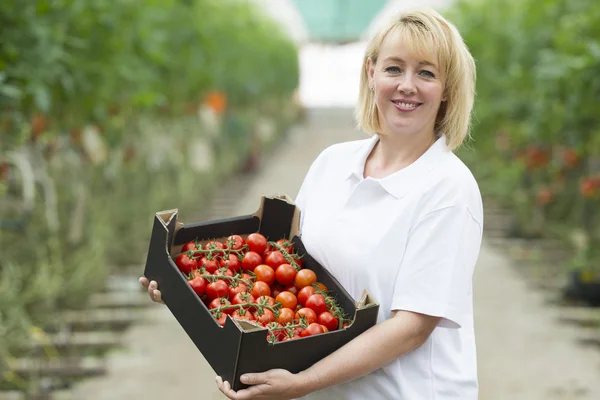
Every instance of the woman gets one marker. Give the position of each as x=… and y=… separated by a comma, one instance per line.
x=401, y=215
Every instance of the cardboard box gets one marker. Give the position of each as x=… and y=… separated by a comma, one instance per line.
x=240, y=347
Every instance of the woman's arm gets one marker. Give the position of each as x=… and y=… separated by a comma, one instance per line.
x=375, y=348
x=371, y=350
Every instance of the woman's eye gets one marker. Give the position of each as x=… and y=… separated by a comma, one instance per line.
x=392, y=69
x=428, y=74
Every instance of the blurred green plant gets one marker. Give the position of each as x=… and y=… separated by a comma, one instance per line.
x=109, y=112
x=537, y=126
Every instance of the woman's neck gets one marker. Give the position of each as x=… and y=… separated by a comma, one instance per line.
x=391, y=154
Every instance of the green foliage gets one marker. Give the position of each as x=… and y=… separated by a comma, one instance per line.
x=536, y=116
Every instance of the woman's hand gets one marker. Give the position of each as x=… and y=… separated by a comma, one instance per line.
x=276, y=384
x=152, y=288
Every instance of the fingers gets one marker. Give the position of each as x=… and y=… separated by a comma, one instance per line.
x=225, y=388
x=152, y=288
x=254, y=379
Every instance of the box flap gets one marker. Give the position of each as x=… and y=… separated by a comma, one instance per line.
x=366, y=300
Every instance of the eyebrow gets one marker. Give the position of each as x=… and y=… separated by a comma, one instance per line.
x=399, y=60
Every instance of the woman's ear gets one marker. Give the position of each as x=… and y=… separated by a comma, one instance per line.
x=370, y=67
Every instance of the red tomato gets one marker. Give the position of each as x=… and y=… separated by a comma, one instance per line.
x=287, y=245
x=276, y=288
x=189, y=246
x=251, y=260
x=198, y=284
x=243, y=315
x=264, y=316
x=305, y=277
x=237, y=287
x=317, y=303
x=345, y=325
x=211, y=266
x=311, y=330
x=257, y=243
x=232, y=262
x=185, y=264
x=285, y=274
x=292, y=289
x=264, y=273
x=214, y=245
x=307, y=313
x=221, y=319
x=260, y=289
x=218, y=288
x=246, y=277
x=275, y=259
x=320, y=286
x=243, y=298
x=299, y=261
x=273, y=328
x=220, y=302
x=286, y=316
x=224, y=272
x=265, y=300
x=328, y=320
x=235, y=242
x=305, y=293
x=287, y=300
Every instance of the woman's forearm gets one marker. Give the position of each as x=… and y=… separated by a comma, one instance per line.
x=369, y=351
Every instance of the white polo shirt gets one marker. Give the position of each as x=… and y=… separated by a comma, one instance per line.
x=412, y=239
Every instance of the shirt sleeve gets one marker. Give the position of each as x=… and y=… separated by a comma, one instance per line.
x=436, y=272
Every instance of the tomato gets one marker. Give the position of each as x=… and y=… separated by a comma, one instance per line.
x=268, y=250
x=328, y=320
x=299, y=261
x=305, y=293
x=243, y=315
x=285, y=274
x=273, y=329
x=213, y=246
x=185, y=264
x=320, y=286
x=224, y=272
x=264, y=316
x=286, y=316
x=307, y=313
x=317, y=303
x=287, y=300
x=243, y=298
x=235, y=242
x=305, y=277
x=237, y=287
x=218, y=288
x=198, y=284
x=221, y=318
x=246, y=277
x=220, y=302
x=285, y=339
x=345, y=325
x=257, y=243
x=261, y=289
x=311, y=330
x=325, y=329
x=189, y=246
x=232, y=262
x=211, y=266
x=292, y=289
x=251, y=260
x=265, y=300
x=287, y=245
x=275, y=259
x=264, y=273
x=276, y=288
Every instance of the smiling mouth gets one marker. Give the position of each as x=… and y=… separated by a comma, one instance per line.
x=406, y=106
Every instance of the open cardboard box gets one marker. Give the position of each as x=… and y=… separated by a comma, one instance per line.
x=240, y=347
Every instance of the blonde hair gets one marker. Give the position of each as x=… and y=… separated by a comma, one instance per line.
x=427, y=32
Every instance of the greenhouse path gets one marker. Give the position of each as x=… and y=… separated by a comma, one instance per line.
x=523, y=352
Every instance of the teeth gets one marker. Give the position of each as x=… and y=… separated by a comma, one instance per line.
x=407, y=105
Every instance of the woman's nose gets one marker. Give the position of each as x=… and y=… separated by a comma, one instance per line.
x=407, y=83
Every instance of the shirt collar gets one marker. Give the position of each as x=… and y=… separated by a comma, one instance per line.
x=400, y=182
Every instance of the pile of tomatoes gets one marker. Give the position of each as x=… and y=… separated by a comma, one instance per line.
x=261, y=281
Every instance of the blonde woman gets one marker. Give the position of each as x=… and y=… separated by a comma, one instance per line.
x=415, y=212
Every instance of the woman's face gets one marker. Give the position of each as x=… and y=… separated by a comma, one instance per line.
x=408, y=90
